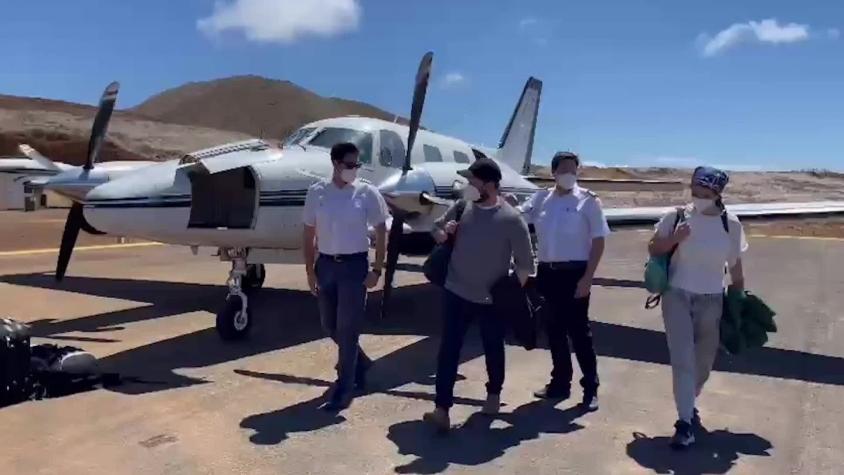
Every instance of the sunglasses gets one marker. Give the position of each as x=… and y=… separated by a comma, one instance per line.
x=350, y=166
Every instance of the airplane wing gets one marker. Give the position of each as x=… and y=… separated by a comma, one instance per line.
x=745, y=211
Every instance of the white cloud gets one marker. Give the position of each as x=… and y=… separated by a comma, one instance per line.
x=453, y=79
x=590, y=163
x=528, y=22
x=766, y=31
x=282, y=21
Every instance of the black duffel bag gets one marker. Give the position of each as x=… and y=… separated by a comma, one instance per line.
x=520, y=308
x=15, y=371
x=435, y=267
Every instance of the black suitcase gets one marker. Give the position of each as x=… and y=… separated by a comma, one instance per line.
x=15, y=365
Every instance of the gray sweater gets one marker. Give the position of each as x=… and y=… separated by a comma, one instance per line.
x=488, y=242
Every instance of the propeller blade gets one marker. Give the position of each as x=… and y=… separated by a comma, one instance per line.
x=98, y=131
x=422, y=77
x=393, y=243
x=75, y=218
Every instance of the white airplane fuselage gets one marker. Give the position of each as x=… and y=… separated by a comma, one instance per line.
x=259, y=190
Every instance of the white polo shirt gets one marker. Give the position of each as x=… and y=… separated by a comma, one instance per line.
x=342, y=216
x=566, y=224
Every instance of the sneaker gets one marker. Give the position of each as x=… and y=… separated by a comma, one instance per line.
x=590, y=402
x=696, y=422
x=492, y=405
x=439, y=419
x=551, y=391
x=683, y=436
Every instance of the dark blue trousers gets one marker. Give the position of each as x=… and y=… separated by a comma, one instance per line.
x=342, y=305
x=458, y=314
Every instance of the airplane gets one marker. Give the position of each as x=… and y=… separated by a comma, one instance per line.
x=246, y=198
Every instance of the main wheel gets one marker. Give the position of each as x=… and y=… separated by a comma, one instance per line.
x=254, y=278
x=232, y=322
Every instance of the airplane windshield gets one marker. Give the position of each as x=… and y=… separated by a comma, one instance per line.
x=296, y=137
x=330, y=136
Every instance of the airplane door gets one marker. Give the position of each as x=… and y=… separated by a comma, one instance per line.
x=367, y=169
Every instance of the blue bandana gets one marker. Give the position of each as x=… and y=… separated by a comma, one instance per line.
x=712, y=178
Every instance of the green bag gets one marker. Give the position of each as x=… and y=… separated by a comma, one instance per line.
x=656, y=269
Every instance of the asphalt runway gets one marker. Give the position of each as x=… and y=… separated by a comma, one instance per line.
x=205, y=406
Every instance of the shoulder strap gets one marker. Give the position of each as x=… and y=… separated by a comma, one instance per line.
x=725, y=222
x=681, y=216
x=461, y=207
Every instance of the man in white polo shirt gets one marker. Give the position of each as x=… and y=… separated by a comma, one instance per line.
x=337, y=216
x=570, y=232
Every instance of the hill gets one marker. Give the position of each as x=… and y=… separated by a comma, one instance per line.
x=250, y=104
x=60, y=130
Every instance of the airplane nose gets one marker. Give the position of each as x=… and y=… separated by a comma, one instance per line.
x=411, y=193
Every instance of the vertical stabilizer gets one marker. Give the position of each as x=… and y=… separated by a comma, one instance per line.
x=516, y=146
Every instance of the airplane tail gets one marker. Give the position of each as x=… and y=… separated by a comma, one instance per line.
x=516, y=146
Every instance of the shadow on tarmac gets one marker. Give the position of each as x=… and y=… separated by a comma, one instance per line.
x=714, y=453
x=477, y=442
x=287, y=318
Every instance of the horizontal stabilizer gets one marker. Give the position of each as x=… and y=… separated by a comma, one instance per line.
x=34, y=155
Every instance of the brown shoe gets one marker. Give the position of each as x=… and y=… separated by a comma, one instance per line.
x=439, y=419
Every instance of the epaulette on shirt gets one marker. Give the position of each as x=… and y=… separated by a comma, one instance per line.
x=590, y=193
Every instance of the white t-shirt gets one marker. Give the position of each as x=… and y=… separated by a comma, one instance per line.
x=342, y=216
x=566, y=225
x=699, y=263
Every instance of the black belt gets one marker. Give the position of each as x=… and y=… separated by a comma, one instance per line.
x=344, y=257
x=564, y=265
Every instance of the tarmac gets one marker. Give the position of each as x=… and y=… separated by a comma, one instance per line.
x=203, y=406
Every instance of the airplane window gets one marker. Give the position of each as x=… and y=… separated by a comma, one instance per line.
x=392, y=149
x=297, y=136
x=461, y=157
x=432, y=154
x=331, y=136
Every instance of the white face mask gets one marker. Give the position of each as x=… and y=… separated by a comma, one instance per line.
x=703, y=204
x=566, y=181
x=348, y=176
x=471, y=194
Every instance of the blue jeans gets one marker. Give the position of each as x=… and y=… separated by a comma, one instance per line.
x=458, y=314
x=342, y=306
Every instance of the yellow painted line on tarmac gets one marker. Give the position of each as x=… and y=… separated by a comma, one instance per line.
x=32, y=252
x=804, y=238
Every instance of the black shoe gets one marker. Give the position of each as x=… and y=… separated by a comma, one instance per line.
x=589, y=403
x=551, y=391
x=336, y=403
x=697, y=424
x=683, y=436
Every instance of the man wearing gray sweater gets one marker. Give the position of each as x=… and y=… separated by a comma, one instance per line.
x=490, y=237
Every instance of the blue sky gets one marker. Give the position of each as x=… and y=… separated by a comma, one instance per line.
x=751, y=84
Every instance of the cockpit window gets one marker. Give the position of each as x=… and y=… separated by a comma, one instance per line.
x=296, y=137
x=331, y=136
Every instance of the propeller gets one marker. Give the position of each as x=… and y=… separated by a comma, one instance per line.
x=76, y=218
x=423, y=75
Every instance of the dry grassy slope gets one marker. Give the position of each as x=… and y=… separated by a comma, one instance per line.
x=744, y=187
x=250, y=104
x=61, y=130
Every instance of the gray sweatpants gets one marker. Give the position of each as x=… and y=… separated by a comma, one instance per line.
x=692, y=328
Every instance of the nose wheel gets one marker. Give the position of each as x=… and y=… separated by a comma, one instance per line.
x=235, y=319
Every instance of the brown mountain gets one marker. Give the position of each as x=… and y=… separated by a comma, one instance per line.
x=250, y=104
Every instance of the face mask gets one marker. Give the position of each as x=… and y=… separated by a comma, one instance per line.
x=566, y=181
x=348, y=176
x=471, y=194
x=703, y=204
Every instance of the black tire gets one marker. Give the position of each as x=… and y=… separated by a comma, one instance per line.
x=230, y=324
x=254, y=278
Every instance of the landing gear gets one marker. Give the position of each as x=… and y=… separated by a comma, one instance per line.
x=254, y=278
x=234, y=319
